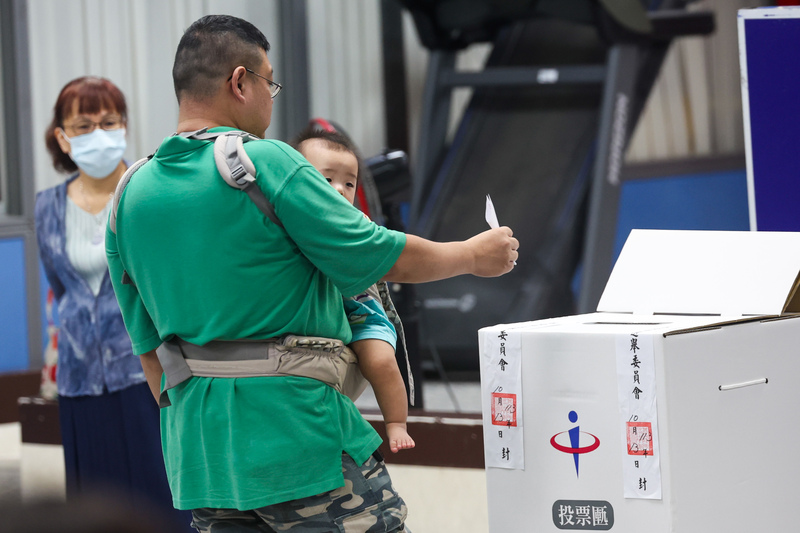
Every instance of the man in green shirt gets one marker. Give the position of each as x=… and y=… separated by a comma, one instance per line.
x=204, y=263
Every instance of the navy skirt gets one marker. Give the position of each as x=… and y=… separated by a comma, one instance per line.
x=112, y=443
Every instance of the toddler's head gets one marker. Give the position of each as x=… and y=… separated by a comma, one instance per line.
x=334, y=156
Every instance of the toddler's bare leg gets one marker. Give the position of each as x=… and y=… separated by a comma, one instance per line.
x=377, y=363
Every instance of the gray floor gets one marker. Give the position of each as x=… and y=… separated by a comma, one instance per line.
x=9, y=482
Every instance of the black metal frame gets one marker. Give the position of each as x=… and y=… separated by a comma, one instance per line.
x=295, y=100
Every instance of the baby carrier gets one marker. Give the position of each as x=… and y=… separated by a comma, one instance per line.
x=324, y=359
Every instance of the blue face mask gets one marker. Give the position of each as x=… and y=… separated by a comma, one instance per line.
x=98, y=153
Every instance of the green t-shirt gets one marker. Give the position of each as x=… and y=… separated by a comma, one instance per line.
x=207, y=264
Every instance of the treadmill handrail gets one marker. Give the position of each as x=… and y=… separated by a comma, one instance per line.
x=667, y=25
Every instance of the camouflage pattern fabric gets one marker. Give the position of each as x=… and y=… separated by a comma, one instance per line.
x=366, y=504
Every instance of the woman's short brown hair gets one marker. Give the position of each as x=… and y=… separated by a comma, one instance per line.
x=93, y=95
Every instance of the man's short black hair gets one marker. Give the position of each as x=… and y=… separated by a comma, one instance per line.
x=210, y=49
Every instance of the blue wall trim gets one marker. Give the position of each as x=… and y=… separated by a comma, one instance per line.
x=13, y=306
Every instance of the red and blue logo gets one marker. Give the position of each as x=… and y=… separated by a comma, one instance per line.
x=575, y=447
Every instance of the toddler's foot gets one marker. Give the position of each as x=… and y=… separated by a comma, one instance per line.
x=398, y=437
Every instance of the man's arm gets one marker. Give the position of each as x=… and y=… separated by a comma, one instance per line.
x=488, y=254
x=152, y=371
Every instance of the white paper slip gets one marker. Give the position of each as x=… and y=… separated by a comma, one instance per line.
x=491, y=215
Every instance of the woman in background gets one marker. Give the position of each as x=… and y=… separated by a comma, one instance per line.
x=109, y=422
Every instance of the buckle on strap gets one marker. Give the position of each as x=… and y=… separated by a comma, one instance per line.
x=237, y=173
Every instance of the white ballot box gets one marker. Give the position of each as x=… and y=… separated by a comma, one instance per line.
x=671, y=409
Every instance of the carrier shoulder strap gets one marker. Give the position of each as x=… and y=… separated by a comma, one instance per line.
x=233, y=164
x=236, y=167
x=112, y=218
x=123, y=182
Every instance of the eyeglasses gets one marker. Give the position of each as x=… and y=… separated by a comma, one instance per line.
x=274, y=87
x=82, y=126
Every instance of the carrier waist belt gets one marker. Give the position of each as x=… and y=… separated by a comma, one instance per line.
x=327, y=360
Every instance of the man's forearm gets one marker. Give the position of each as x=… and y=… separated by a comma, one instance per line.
x=152, y=372
x=488, y=254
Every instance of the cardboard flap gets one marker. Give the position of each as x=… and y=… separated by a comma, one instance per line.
x=705, y=272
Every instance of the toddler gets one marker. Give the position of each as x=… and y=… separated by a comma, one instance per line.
x=374, y=336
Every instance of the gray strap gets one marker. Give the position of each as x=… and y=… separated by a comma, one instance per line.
x=232, y=161
x=112, y=218
x=260, y=199
x=233, y=369
x=200, y=135
x=123, y=182
x=173, y=355
x=326, y=360
x=391, y=312
x=175, y=368
x=411, y=393
x=237, y=350
x=235, y=166
x=389, y=304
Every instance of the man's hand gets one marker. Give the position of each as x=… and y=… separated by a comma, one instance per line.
x=488, y=254
x=152, y=372
x=495, y=252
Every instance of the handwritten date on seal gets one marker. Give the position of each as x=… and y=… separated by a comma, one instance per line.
x=640, y=438
x=504, y=409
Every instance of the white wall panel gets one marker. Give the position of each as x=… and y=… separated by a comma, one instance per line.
x=704, y=89
x=724, y=75
x=131, y=42
x=346, y=68
x=319, y=60
x=373, y=111
x=695, y=108
x=696, y=80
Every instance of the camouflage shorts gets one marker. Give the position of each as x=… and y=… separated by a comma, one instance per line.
x=366, y=504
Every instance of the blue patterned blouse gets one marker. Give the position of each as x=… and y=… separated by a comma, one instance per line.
x=94, y=351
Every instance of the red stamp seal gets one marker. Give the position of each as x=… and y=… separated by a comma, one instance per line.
x=504, y=409
x=640, y=438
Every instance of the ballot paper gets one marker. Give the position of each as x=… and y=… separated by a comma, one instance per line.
x=491, y=215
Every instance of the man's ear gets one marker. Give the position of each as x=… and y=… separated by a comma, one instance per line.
x=236, y=85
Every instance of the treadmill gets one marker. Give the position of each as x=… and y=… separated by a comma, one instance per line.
x=544, y=135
